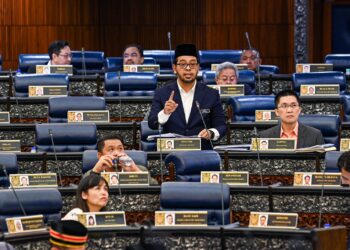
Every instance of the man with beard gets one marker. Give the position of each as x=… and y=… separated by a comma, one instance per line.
x=133, y=54
x=176, y=106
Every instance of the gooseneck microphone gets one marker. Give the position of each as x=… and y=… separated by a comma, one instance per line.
x=13, y=190
x=169, y=41
x=16, y=99
x=120, y=100
x=257, y=58
x=321, y=199
x=205, y=126
x=83, y=64
x=160, y=154
x=256, y=135
x=56, y=161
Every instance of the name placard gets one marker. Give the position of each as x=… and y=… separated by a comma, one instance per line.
x=33, y=180
x=181, y=218
x=320, y=90
x=229, y=177
x=88, y=116
x=317, y=179
x=229, y=90
x=102, y=219
x=126, y=178
x=47, y=91
x=10, y=145
x=152, y=68
x=273, y=144
x=214, y=66
x=25, y=224
x=4, y=117
x=313, y=67
x=54, y=69
x=344, y=144
x=266, y=116
x=273, y=220
x=178, y=144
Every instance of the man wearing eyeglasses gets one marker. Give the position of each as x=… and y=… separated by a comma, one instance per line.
x=133, y=54
x=176, y=106
x=251, y=58
x=288, y=109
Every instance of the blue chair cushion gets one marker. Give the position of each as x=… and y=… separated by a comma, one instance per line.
x=331, y=161
x=145, y=132
x=243, y=107
x=189, y=164
x=345, y=99
x=58, y=106
x=209, y=57
x=9, y=161
x=269, y=69
x=163, y=58
x=94, y=61
x=67, y=137
x=340, y=62
x=25, y=61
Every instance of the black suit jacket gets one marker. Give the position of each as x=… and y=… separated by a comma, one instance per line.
x=209, y=104
x=307, y=136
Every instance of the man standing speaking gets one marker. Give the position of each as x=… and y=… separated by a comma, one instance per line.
x=176, y=106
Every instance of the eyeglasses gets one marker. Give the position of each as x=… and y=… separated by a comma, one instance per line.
x=286, y=106
x=66, y=55
x=185, y=65
x=225, y=78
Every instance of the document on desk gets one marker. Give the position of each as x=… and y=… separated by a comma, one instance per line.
x=237, y=147
x=169, y=135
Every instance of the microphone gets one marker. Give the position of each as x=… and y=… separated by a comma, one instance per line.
x=54, y=151
x=321, y=199
x=257, y=58
x=83, y=65
x=13, y=190
x=16, y=99
x=161, y=154
x=120, y=100
x=255, y=133
x=115, y=162
x=205, y=126
x=169, y=41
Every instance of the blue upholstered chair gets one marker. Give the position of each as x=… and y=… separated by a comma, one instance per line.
x=187, y=196
x=329, y=125
x=67, y=137
x=114, y=64
x=189, y=164
x=145, y=132
x=340, y=62
x=23, y=81
x=45, y=201
x=94, y=62
x=9, y=161
x=331, y=161
x=58, y=106
x=163, y=58
x=243, y=107
x=90, y=158
x=209, y=57
x=25, y=61
x=269, y=69
x=345, y=99
x=329, y=77
x=130, y=84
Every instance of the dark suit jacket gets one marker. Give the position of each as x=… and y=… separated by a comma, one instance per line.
x=307, y=136
x=210, y=106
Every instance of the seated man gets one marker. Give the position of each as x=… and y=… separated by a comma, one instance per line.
x=59, y=53
x=228, y=74
x=110, y=148
x=133, y=54
x=288, y=109
x=344, y=167
x=251, y=58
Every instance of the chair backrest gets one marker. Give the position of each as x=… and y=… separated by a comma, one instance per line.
x=269, y=69
x=9, y=161
x=331, y=161
x=130, y=84
x=94, y=61
x=340, y=62
x=23, y=81
x=116, y=63
x=25, y=61
x=345, y=99
x=329, y=77
x=187, y=196
x=189, y=164
x=243, y=107
x=45, y=201
x=162, y=57
x=58, y=106
x=209, y=57
x=145, y=132
x=67, y=137
x=329, y=125
x=90, y=158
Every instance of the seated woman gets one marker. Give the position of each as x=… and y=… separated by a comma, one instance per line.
x=92, y=196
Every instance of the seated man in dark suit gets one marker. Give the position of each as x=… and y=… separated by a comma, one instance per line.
x=251, y=58
x=133, y=54
x=288, y=109
x=344, y=167
x=176, y=106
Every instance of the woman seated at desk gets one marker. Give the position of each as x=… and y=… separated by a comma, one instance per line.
x=92, y=196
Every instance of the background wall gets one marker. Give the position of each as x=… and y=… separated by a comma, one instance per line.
x=28, y=26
